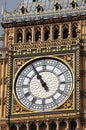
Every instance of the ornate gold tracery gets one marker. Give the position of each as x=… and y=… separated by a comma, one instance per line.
x=44, y=33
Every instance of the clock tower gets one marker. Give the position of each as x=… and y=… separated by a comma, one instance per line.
x=43, y=66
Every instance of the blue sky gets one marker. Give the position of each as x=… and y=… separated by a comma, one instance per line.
x=10, y=5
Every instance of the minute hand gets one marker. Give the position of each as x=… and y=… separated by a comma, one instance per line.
x=39, y=77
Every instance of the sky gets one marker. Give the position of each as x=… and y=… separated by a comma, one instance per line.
x=10, y=6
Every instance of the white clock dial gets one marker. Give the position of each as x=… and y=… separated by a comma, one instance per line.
x=43, y=84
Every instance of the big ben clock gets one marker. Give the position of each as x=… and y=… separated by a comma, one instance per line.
x=43, y=84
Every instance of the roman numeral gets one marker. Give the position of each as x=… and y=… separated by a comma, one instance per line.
x=62, y=73
x=25, y=86
x=63, y=82
x=44, y=67
x=60, y=91
x=27, y=94
x=34, y=100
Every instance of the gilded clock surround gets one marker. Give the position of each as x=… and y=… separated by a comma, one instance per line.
x=69, y=103
x=17, y=108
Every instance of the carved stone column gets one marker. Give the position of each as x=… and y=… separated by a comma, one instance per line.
x=70, y=31
x=37, y=125
x=42, y=33
x=60, y=31
x=57, y=124
x=17, y=126
x=78, y=124
x=2, y=89
x=51, y=32
x=27, y=125
x=33, y=34
x=7, y=127
x=67, y=123
x=47, y=125
x=6, y=38
x=23, y=37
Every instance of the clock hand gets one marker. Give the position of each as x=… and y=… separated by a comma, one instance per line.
x=44, y=85
x=39, y=77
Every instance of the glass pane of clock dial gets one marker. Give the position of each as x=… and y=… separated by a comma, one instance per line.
x=44, y=84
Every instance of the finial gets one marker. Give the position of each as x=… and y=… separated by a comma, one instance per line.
x=3, y=11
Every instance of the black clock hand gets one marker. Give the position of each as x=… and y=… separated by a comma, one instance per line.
x=39, y=77
x=44, y=85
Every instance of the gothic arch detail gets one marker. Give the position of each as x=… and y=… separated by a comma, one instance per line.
x=46, y=33
x=22, y=127
x=39, y=8
x=42, y=126
x=55, y=32
x=28, y=35
x=57, y=6
x=13, y=127
x=52, y=126
x=62, y=125
x=65, y=31
x=74, y=30
x=72, y=125
x=32, y=126
x=37, y=34
x=19, y=35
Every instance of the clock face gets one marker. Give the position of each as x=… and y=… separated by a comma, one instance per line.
x=43, y=84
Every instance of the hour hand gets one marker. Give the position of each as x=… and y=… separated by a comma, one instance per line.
x=39, y=77
x=44, y=85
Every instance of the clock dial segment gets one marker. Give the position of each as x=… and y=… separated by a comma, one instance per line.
x=43, y=84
